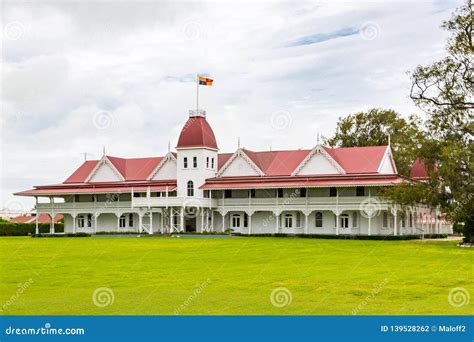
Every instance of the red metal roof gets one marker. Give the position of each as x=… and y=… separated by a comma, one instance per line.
x=42, y=218
x=81, y=174
x=277, y=163
x=358, y=159
x=418, y=170
x=275, y=182
x=197, y=133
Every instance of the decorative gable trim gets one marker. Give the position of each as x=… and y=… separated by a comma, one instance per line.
x=388, y=154
x=240, y=153
x=104, y=161
x=169, y=157
x=318, y=149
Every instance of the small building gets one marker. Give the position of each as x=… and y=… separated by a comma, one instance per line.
x=321, y=190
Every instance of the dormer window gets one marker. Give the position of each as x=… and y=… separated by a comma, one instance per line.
x=195, y=162
x=185, y=162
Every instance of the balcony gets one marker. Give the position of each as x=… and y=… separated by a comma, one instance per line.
x=173, y=202
x=78, y=206
x=299, y=202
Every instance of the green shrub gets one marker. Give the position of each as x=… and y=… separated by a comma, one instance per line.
x=21, y=229
x=60, y=235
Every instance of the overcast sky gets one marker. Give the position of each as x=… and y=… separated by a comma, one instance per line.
x=78, y=76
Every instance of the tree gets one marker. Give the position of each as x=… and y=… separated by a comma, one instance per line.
x=373, y=128
x=444, y=90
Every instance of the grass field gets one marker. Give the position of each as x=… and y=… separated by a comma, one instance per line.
x=56, y=276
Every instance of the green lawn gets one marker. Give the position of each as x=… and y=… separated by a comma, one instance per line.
x=57, y=276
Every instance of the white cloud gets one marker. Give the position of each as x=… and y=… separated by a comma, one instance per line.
x=65, y=62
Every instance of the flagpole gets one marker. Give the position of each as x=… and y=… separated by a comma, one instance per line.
x=197, y=94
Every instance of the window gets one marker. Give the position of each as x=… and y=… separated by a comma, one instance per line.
x=185, y=162
x=228, y=193
x=402, y=219
x=122, y=221
x=298, y=219
x=195, y=162
x=136, y=194
x=384, y=219
x=190, y=188
x=246, y=221
x=411, y=220
x=360, y=191
x=332, y=192
x=344, y=221
x=212, y=163
x=206, y=193
x=288, y=221
x=76, y=198
x=207, y=162
x=252, y=193
x=130, y=220
x=354, y=219
x=319, y=219
x=303, y=192
x=80, y=221
x=235, y=221
x=280, y=193
x=89, y=220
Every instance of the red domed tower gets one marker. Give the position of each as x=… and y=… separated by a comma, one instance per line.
x=197, y=155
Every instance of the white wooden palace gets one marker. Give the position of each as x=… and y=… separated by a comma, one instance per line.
x=321, y=190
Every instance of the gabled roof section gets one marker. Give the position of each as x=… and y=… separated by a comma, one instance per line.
x=112, y=164
x=387, y=164
x=169, y=157
x=241, y=153
x=418, y=170
x=81, y=174
x=319, y=150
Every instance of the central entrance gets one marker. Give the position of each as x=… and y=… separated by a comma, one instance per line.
x=190, y=224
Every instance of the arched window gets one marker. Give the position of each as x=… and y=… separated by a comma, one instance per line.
x=319, y=219
x=190, y=188
x=288, y=221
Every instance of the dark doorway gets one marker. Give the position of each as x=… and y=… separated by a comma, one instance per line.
x=190, y=224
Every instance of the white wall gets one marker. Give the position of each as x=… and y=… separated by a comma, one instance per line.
x=105, y=173
x=239, y=167
x=167, y=171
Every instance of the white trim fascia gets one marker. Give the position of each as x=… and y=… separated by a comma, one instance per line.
x=104, y=160
x=320, y=149
x=240, y=153
x=169, y=156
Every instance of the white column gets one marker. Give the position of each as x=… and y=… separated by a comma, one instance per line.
x=118, y=221
x=212, y=221
x=277, y=222
x=74, y=224
x=37, y=214
x=140, y=222
x=250, y=223
x=306, y=214
x=182, y=219
x=151, y=224
x=95, y=216
x=162, y=221
x=395, y=227
x=337, y=224
x=370, y=223
x=202, y=221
